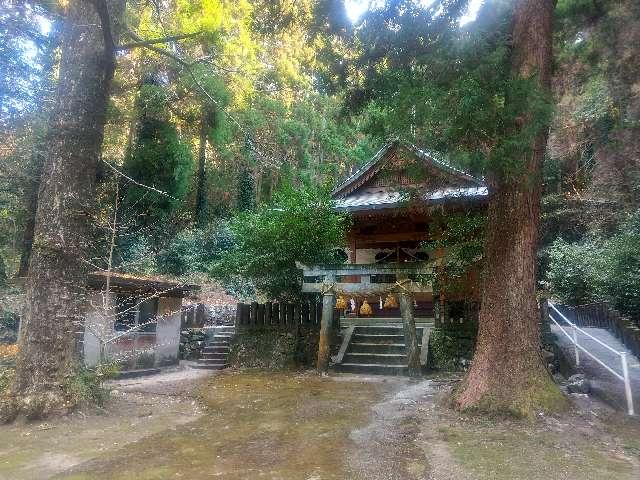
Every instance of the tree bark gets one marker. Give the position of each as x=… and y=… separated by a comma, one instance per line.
x=31, y=204
x=410, y=336
x=56, y=283
x=507, y=374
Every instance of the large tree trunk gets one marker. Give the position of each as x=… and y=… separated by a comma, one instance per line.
x=31, y=204
x=56, y=282
x=507, y=373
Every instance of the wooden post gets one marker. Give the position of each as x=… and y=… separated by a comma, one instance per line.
x=275, y=315
x=253, y=314
x=324, y=343
x=410, y=336
x=238, y=315
x=260, y=315
x=267, y=314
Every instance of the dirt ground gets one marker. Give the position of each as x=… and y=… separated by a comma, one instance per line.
x=253, y=424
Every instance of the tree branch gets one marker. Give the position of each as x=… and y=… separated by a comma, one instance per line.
x=146, y=43
x=189, y=68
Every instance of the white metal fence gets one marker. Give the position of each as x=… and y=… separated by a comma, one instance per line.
x=573, y=337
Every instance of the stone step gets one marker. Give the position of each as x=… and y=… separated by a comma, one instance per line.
x=377, y=338
x=375, y=358
x=216, y=349
x=214, y=355
x=379, y=330
x=372, y=369
x=376, y=348
x=216, y=343
x=210, y=361
x=210, y=366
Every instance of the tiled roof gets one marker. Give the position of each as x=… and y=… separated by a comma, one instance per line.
x=386, y=199
x=428, y=156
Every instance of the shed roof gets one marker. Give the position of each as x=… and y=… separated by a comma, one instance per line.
x=140, y=284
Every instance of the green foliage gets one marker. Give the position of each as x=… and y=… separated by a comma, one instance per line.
x=3, y=271
x=448, y=87
x=9, y=322
x=6, y=377
x=136, y=255
x=192, y=341
x=159, y=159
x=599, y=269
x=623, y=282
x=246, y=198
x=194, y=250
x=576, y=271
x=86, y=385
x=299, y=225
x=451, y=345
x=463, y=240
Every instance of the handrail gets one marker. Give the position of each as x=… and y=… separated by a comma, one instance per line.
x=624, y=377
x=582, y=331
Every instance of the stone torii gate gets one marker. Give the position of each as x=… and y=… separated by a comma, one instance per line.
x=401, y=279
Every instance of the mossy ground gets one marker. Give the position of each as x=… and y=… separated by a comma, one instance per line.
x=259, y=424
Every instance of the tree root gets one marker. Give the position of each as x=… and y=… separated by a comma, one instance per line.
x=535, y=395
x=34, y=405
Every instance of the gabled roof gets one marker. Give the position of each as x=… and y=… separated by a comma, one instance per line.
x=349, y=198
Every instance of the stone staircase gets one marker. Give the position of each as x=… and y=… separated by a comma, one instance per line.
x=216, y=351
x=376, y=349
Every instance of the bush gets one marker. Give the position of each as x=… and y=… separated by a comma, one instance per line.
x=623, y=282
x=599, y=269
x=194, y=250
x=576, y=271
x=86, y=385
x=6, y=376
x=192, y=342
x=300, y=225
x=451, y=345
x=9, y=323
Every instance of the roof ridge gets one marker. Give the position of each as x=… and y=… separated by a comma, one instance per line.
x=364, y=167
x=436, y=157
x=424, y=153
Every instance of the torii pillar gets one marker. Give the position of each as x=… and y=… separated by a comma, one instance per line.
x=324, y=343
x=409, y=327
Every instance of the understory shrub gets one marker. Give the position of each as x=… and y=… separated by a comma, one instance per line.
x=576, y=271
x=299, y=225
x=9, y=322
x=86, y=386
x=600, y=269
x=192, y=342
x=194, y=250
x=451, y=345
x=6, y=375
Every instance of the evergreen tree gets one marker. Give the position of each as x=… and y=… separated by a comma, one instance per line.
x=56, y=284
x=246, y=198
x=158, y=159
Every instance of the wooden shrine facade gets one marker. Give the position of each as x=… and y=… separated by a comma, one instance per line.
x=397, y=203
